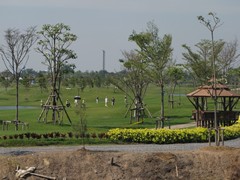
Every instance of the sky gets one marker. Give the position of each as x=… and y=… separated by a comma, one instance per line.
x=107, y=24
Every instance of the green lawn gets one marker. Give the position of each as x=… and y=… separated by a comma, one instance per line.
x=99, y=118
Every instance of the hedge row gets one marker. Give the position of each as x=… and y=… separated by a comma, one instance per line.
x=53, y=135
x=169, y=136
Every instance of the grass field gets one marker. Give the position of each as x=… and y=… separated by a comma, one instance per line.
x=99, y=118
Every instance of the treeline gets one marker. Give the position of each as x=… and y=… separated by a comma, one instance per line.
x=70, y=78
x=81, y=80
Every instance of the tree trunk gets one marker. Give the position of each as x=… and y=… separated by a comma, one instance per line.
x=17, y=100
x=162, y=105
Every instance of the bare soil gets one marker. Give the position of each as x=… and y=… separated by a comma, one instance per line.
x=206, y=163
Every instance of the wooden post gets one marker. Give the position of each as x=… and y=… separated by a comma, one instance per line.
x=222, y=136
x=218, y=136
x=169, y=125
x=209, y=136
x=157, y=123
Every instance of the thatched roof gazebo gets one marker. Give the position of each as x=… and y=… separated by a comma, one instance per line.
x=203, y=102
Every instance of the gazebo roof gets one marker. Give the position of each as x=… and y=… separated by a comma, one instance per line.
x=209, y=91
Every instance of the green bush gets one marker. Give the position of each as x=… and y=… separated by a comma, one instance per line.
x=168, y=136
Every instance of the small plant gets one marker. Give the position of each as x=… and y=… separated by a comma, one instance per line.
x=15, y=136
x=28, y=135
x=101, y=135
x=82, y=135
x=51, y=135
x=45, y=136
x=81, y=127
x=38, y=136
x=87, y=135
x=77, y=135
x=57, y=134
x=21, y=136
x=33, y=135
x=93, y=135
x=62, y=135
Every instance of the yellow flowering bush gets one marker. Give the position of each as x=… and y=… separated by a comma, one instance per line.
x=169, y=136
x=233, y=131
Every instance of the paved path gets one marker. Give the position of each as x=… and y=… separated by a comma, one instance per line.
x=180, y=126
x=113, y=147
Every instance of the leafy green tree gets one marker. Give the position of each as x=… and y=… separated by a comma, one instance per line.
x=81, y=83
x=233, y=77
x=67, y=71
x=15, y=55
x=26, y=81
x=42, y=80
x=133, y=82
x=28, y=77
x=200, y=62
x=157, y=54
x=6, y=79
x=54, y=44
x=174, y=74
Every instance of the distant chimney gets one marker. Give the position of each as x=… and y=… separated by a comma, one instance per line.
x=103, y=60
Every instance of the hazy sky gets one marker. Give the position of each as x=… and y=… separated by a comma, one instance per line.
x=107, y=24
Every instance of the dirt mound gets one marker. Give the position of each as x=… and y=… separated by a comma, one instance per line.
x=206, y=163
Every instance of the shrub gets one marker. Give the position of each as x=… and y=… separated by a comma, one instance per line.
x=21, y=136
x=101, y=135
x=33, y=135
x=57, y=134
x=70, y=134
x=93, y=135
x=28, y=135
x=15, y=136
x=77, y=135
x=51, y=135
x=62, y=135
x=166, y=136
x=45, y=136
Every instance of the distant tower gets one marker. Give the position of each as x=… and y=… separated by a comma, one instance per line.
x=103, y=60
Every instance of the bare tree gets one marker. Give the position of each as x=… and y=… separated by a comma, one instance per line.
x=212, y=25
x=15, y=55
x=228, y=56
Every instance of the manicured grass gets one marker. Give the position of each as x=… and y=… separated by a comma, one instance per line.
x=99, y=118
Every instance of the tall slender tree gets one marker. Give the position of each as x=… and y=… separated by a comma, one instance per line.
x=157, y=54
x=175, y=74
x=54, y=44
x=15, y=55
x=212, y=26
x=133, y=82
